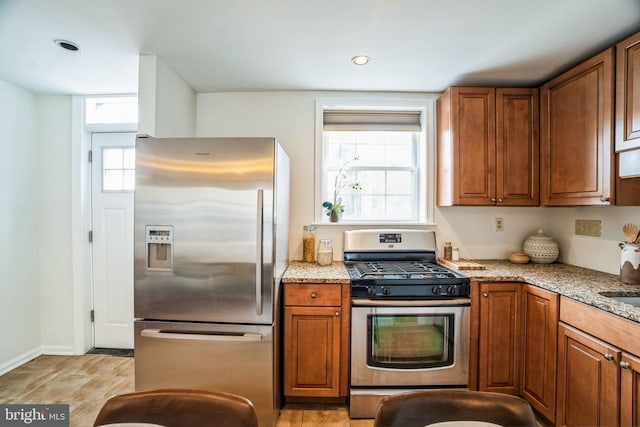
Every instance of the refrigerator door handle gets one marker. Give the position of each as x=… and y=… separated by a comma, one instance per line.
x=259, y=223
x=200, y=335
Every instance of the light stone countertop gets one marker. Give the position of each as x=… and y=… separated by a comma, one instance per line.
x=577, y=283
x=310, y=272
x=580, y=284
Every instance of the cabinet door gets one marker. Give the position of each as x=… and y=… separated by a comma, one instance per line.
x=473, y=139
x=576, y=135
x=628, y=93
x=629, y=391
x=517, y=147
x=499, y=337
x=312, y=351
x=539, y=353
x=588, y=381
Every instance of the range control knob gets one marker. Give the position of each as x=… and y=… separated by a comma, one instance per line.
x=450, y=290
x=386, y=291
x=436, y=290
x=371, y=291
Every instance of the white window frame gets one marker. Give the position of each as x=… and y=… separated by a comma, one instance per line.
x=427, y=161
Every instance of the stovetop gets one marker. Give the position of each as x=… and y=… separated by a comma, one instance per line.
x=399, y=270
x=400, y=264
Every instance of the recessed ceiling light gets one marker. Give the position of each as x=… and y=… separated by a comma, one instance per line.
x=66, y=44
x=360, y=59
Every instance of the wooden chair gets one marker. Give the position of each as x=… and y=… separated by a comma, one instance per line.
x=179, y=408
x=421, y=408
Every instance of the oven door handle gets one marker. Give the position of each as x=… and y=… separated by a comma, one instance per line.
x=456, y=302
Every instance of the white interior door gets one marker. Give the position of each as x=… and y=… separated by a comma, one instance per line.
x=112, y=180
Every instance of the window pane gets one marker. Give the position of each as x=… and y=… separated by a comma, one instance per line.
x=399, y=207
x=129, y=158
x=129, y=179
x=112, y=180
x=399, y=182
x=114, y=109
x=112, y=158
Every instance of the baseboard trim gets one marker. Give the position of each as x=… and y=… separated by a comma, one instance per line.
x=57, y=350
x=20, y=360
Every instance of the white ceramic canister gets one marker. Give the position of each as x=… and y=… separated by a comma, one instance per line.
x=630, y=263
x=541, y=248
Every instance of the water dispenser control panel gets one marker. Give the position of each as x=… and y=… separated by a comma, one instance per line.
x=159, y=248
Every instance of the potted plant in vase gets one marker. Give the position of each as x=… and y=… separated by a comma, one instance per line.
x=335, y=207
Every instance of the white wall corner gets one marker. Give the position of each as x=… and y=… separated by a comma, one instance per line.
x=147, y=84
x=175, y=104
x=19, y=360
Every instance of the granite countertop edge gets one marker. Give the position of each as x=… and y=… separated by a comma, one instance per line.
x=578, y=283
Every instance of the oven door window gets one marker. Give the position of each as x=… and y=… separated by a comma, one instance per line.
x=410, y=341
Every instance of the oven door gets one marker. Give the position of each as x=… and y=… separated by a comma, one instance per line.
x=410, y=343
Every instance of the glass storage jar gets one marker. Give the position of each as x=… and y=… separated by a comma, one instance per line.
x=325, y=252
x=308, y=243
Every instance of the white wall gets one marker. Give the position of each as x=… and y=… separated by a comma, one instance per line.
x=290, y=116
x=19, y=181
x=167, y=104
x=54, y=207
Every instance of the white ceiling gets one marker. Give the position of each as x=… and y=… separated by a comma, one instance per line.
x=253, y=45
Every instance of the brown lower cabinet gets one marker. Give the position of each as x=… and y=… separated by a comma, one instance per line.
x=629, y=390
x=514, y=341
x=598, y=368
x=498, y=346
x=316, y=340
x=588, y=381
x=540, y=310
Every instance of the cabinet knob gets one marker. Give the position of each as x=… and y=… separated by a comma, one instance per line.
x=500, y=200
x=485, y=294
x=313, y=295
x=493, y=199
x=604, y=199
x=337, y=314
x=608, y=356
x=625, y=365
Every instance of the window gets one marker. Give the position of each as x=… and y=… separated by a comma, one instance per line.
x=118, y=169
x=111, y=109
x=371, y=161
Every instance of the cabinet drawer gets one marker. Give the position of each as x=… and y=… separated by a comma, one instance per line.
x=312, y=294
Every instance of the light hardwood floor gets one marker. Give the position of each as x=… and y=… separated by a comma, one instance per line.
x=86, y=382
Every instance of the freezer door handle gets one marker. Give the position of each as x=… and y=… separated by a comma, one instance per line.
x=259, y=216
x=200, y=335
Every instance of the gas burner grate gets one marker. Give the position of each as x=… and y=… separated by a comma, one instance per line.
x=400, y=270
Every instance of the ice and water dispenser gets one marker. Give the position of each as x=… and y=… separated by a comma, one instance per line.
x=159, y=248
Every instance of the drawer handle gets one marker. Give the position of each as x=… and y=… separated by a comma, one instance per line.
x=625, y=365
x=608, y=356
x=313, y=295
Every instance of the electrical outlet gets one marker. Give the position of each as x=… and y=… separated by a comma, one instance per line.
x=499, y=224
x=589, y=227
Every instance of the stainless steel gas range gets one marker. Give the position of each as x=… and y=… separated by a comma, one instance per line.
x=409, y=320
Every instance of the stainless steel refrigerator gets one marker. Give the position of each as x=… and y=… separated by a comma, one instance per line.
x=211, y=237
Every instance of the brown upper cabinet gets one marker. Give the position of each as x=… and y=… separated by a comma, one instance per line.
x=628, y=121
x=488, y=147
x=628, y=94
x=576, y=135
